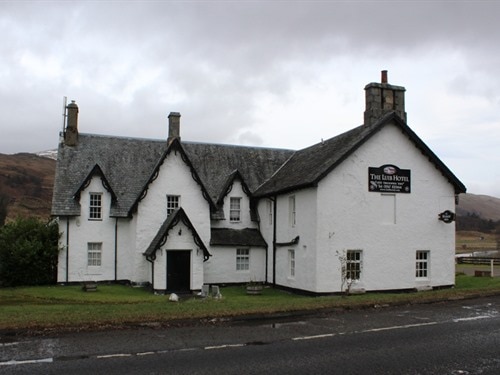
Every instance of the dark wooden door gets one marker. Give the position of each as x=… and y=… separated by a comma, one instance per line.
x=178, y=271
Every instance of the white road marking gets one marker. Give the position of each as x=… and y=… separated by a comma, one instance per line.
x=223, y=346
x=26, y=362
x=113, y=356
x=472, y=318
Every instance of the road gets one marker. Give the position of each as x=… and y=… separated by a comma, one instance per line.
x=458, y=337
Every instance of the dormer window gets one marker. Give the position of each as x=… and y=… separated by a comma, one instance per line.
x=235, y=210
x=95, y=206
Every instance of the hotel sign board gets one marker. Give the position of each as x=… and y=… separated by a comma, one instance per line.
x=389, y=178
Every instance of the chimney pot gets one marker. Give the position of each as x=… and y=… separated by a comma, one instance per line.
x=384, y=76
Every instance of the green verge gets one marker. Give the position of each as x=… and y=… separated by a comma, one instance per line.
x=32, y=309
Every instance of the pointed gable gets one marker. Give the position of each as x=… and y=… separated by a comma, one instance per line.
x=308, y=166
x=161, y=237
x=176, y=147
x=96, y=172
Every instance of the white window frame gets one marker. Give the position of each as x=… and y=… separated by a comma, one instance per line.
x=422, y=263
x=353, y=264
x=95, y=206
x=173, y=202
x=235, y=209
x=243, y=259
x=94, y=254
x=270, y=211
x=292, y=210
x=291, y=263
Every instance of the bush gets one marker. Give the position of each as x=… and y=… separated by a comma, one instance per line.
x=28, y=252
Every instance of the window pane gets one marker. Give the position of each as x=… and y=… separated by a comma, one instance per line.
x=422, y=265
x=95, y=206
x=173, y=202
x=235, y=209
x=94, y=253
x=242, y=259
x=353, y=264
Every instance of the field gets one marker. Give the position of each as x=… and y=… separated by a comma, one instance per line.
x=469, y=241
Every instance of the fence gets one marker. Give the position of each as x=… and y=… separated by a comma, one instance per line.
x=477, y=260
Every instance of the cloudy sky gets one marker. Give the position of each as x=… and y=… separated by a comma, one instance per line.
x=265, y=73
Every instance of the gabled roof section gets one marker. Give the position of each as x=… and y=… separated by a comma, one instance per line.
x=215, y=162
x=237, y=237
x=131, y=164
x=228, y=185
x=178, y=215
x=308, y=166
x=174, y=146
x=126, y=162
x=96, y=171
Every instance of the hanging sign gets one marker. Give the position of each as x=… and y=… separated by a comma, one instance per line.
x=447, y=216
x=389, y=179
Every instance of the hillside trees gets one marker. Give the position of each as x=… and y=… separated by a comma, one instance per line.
x=28, y=252
x=4, y=201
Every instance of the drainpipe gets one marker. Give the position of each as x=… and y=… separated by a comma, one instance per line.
x=275, y=211
x=116, y=249
x=67, y=249
x=152, y=261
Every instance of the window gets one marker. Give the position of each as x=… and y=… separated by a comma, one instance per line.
x=422, y=264
x=173, y=202
x=270, y=212
x=94, y=254
x=353, y=264
x=242, y=259
x=291, y=207
x=235, y=210
x=291, y=263
x=95, y=206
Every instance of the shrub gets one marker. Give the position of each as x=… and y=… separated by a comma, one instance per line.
x=28, y=252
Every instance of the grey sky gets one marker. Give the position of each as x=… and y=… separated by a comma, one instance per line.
x=266, y=73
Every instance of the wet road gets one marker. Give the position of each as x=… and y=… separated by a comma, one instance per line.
x=459, y=337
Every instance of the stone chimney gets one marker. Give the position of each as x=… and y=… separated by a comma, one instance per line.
x=174, y=124
x=71, y=131
x=383, y=98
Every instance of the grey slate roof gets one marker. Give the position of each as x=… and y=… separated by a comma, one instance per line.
x=215, y=163
x=308, y=166
x=237, y=237
x=128, y=165
x=125, y=162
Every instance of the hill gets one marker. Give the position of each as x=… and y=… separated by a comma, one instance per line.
x=484, y=206
x=27, y=180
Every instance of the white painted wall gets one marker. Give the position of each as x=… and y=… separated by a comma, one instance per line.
x=174, y=178
x=221, y=267
x=81, y=231
x=351, y=217
x=305, y=224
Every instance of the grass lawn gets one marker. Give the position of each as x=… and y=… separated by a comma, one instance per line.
x=68, y=307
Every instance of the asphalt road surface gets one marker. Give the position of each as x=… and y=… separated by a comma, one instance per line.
x=458, y=337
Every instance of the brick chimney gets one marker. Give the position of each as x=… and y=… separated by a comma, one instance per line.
x=383, y=98
x=71, y=131
x=174, y=124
